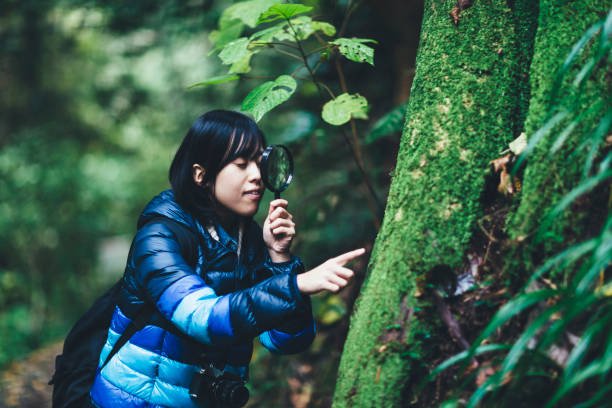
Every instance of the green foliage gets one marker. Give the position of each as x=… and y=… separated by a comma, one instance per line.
x=221, y=79
x=248, y=12
x=355, y=49
x=237, y=54
x=300, y=27
x=92, y=111
x=282, y=11
x=268, y=95
x=89, y=121
x=345, y=107
x=578, y=305
x=288, y=35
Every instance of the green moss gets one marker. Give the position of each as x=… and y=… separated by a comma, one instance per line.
x=548, y=177
x=462, y=113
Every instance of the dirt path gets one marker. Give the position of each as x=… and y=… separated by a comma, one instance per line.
x=24, y=384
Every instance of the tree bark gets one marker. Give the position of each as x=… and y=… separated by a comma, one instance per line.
x=467, y=103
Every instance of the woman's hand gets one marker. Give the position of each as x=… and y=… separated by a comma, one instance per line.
x=278, y=231
x=330, y=275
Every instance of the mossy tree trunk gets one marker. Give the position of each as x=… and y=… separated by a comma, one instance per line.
x=470, y=97
x=465, y=107
x=548, y=177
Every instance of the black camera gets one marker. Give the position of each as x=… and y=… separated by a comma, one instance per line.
x=222, y=389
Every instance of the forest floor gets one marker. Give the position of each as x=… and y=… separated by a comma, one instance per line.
x=24, y=383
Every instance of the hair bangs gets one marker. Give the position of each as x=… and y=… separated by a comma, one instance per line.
x=246, y=144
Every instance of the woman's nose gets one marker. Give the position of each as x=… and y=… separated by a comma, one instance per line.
x=254, y=172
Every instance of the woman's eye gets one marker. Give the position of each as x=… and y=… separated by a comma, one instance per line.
x=242, y=165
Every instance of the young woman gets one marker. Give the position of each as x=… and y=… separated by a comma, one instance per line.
x=215, y=278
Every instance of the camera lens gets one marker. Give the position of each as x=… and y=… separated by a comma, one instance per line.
x=230, y=393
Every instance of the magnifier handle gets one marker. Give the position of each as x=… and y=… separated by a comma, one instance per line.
x=276, y=195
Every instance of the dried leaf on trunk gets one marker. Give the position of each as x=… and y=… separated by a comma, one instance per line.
x=501, y=165
x=456, y=11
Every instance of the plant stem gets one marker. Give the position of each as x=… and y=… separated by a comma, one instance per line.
x=289, y=54
x=372, y=198
x=356, y=148
x=274, y=43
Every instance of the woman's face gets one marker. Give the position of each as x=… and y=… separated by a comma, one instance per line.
x=238, y=187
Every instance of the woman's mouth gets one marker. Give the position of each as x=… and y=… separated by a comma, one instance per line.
x=253, y=194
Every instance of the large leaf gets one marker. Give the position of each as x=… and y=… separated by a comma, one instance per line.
x=249, y=11
x=216, y=80
x=234, y=18
x=304, y=27
x=355, y=49
x=268, y=95
x=229, y=30
x=282, y=11
x=238, y=55
x=346, y=106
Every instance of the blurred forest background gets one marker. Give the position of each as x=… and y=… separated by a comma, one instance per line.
x=95, y=97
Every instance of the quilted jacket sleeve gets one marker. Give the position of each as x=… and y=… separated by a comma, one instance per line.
x=188, y=302
x=297, y=332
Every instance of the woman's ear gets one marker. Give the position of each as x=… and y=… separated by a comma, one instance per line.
x=198, y=174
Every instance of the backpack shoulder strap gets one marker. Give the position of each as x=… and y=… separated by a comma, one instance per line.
x=147, y=312
x=138, y=323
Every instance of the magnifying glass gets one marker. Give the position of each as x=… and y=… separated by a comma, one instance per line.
x=276, y=168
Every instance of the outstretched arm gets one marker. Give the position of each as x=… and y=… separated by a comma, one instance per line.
x=188, y=302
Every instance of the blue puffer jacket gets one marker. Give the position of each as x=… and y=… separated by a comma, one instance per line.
x=215, y=309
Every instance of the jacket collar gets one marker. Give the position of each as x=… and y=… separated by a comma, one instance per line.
x=164, y=205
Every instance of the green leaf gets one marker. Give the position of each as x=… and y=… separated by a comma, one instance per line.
x=533, y=140
x=575, y=52
x=355, y=49
x=597, y=367
x=580, y=350
x=565, y=258
x=268, y=95
x=248, y=11
x=346, y=106
x=457, y=358
x=304, y=27
x=282, y=11
x=229, y=30
x=392, y=122
x=521, y=344
x=216, y=80
x=581, y=189
x=238, y=55
x=511, y=309
x=565, y=133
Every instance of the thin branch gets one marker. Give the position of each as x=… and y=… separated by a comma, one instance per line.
x=317, y=50
x=271, y=43
x=303, y=54
x=289, y=54
x=376, y=206
x=352, y=6
x=356, y=147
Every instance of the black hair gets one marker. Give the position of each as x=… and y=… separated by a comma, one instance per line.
x=215, y=139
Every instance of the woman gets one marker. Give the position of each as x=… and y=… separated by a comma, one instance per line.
x=215, y=278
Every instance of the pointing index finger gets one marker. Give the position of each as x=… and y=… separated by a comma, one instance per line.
x=349, y=256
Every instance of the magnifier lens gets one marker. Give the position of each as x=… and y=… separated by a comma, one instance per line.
x=277, y=168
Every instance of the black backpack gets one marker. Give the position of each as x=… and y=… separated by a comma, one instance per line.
x=76, y=367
